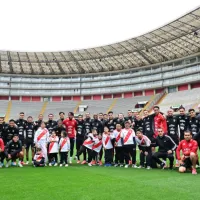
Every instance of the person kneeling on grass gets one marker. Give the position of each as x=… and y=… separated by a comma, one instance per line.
x=38, y=160
x=87, y=145
x=166, y=147
x=53, y=149
x=2, y=155
x=64, y=146
x=144, y=145
x=108, y=147
x=189, y=147
x=13, y=151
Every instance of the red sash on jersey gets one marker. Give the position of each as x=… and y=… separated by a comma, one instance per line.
x=51, y=146
x=39, y=157
x=97, y=145
x=41, y=134
x=127, y=136
x=88, y=142
x=107, y=139
x=63, y=143
x=118, y=137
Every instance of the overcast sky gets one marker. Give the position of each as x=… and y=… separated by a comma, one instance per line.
x=58, y=25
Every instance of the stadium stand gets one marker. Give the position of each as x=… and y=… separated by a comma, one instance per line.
x=162, y=60
x=187, y=98
x=56, y=107
x=29, y=108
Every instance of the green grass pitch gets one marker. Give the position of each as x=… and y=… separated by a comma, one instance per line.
x=96, y=183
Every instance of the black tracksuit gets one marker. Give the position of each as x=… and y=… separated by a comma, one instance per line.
x=97, y=125
x=148, y=129
x=13, y=148
x=121, y=122
x=87, y=124
x=21, y=124
x=50, y=125
x=138, y=124
x=29, y=135
x=80, y=136
x=165, y=143
x=58, y=130
x=182, y=121
x=172, y=127
x=142, y=155
x=2, y=130
x=111, y=124
x=9, y=133
x=194, y=125
x=37, y=124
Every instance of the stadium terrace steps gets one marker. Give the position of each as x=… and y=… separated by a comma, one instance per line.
x=112, y=105
x=77, y=106
x=123, y=105
x=29, y=108
x=187, y=98
x=43, y=107
x=56, y=107
x=8, y=111
x=96, y=106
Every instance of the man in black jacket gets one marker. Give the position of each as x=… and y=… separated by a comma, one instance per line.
x=13, y=151
x=62, y=116
x=29, y=137
x=3, y=125
x=96, y=124
x=166, y=147
x=59, y=128
x=111, y=122
x=172, y=127
x=10, y=131
x=193, y=123
x=50, y=123
x=182, y=120
x=80, y=136
x=87, y=123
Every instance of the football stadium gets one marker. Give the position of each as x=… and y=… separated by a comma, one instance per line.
x=116, y=121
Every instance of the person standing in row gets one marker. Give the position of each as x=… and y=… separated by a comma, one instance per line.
x=71, y=126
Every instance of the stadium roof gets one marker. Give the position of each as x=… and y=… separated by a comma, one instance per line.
x=178, y=39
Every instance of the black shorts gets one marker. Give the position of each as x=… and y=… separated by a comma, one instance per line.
x=29, y=144
x=186, y=163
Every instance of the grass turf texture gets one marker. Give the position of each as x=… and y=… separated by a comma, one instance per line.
x=92, y=183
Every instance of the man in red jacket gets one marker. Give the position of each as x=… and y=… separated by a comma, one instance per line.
x=71, y=125
x=2, y=155
x=189, y=147
x=159, y=121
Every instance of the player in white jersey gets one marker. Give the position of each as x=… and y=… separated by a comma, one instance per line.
x=129, y=144
x=64, y=147
x=53, y=149
x=41, y=139
x=38, y=160
x=144, y=144
x=119, y=155
x=108, y=147
x=87, y=146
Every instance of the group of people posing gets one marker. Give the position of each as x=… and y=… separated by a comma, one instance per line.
x=114, y=137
